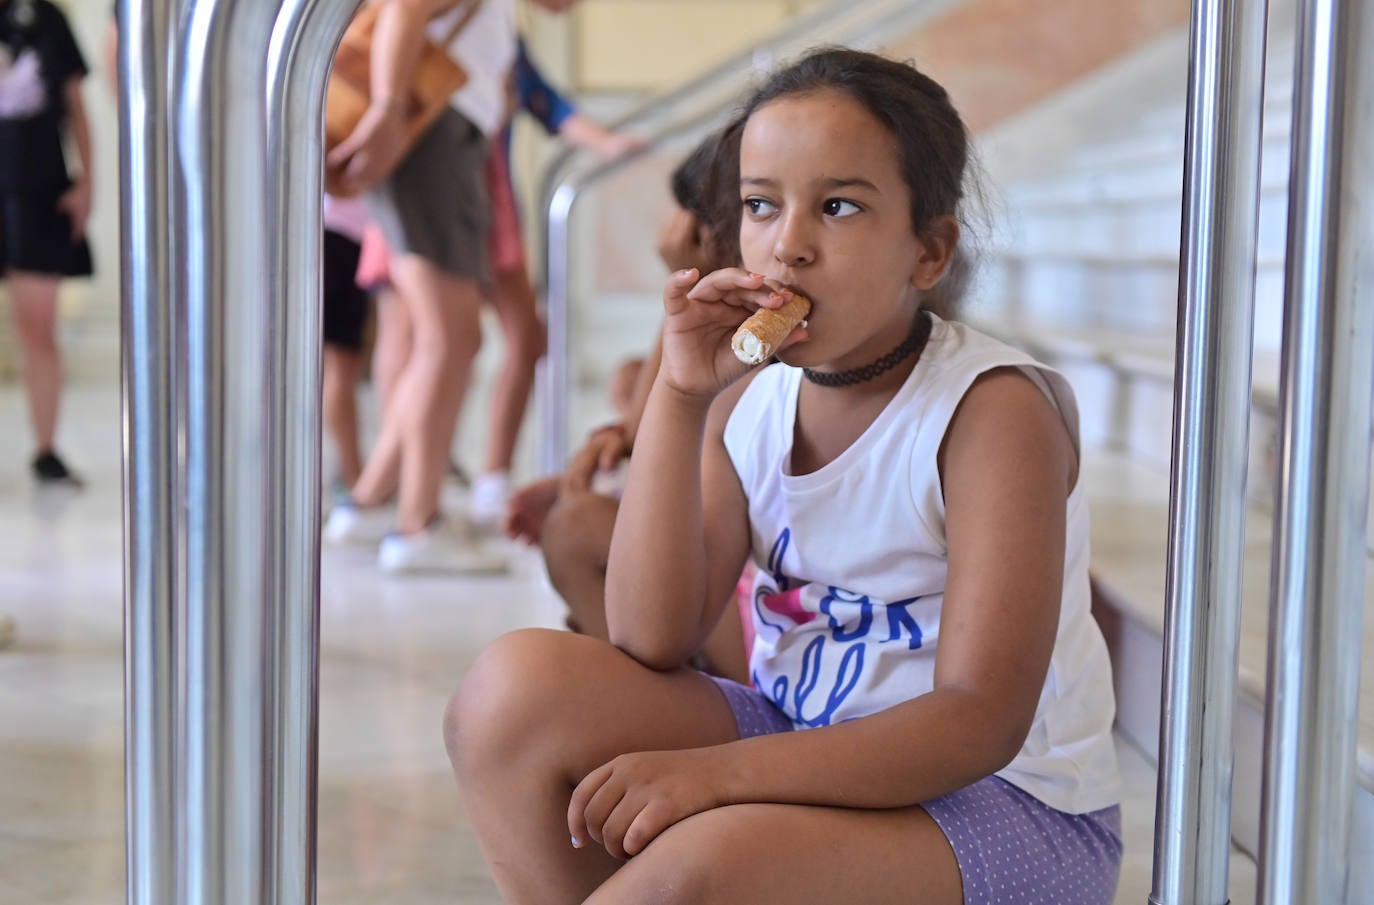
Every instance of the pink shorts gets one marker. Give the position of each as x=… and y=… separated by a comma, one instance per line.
x=505, y=246
x=374, y=261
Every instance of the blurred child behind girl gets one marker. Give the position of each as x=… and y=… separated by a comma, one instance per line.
x=569, y=515
x=929, y=717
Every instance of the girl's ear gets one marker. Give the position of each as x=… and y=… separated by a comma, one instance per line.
x=936, y=243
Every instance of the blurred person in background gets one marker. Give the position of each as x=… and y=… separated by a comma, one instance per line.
x=43, y=207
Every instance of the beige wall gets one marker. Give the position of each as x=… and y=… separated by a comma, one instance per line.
x=622, y=45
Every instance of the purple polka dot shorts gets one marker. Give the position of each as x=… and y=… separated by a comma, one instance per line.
x=1012, y=848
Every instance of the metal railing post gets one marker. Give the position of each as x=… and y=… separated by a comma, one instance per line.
x=301, y=54
x=1212, y=389
x=1320, y=523
x=222, y=381
x=151, y=371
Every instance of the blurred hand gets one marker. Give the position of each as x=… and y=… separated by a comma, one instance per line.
x=603, y=451
x=528, y=508
x=76, y=204
x=618, y=144
x=376, y=146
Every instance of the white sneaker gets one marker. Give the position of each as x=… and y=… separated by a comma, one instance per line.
x=487, y=500
x=362, y=525
x=439, y=549
x=6, y=631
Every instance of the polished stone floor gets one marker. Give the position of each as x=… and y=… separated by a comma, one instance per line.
x=390, y=825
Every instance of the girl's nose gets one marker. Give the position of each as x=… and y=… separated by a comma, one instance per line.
x=793, y=246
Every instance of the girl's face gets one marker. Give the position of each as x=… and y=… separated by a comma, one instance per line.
x=827, y=212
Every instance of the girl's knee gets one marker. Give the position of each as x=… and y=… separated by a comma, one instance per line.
x=514, y=695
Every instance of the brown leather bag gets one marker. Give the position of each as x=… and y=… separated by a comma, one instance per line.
x=437, y=77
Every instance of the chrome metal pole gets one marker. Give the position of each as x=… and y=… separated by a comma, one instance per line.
x=553, y=449
x=299, y=59
x=1325, y=396
x=1211, y=439
x=237, y=500
x=150, y=221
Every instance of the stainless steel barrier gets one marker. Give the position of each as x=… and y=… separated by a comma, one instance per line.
x=1320, y=527
x=1221, y=186
x=151, y=366
x=222, y=357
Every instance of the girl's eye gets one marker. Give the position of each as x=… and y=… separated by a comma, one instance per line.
x=838, y=207
x=758, y=207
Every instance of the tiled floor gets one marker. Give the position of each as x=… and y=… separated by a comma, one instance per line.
x=390, y=826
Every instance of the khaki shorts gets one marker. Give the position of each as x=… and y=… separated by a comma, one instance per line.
x=435, y=204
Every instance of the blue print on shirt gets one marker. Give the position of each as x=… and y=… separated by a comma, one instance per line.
x=783, y=603
x=837, y=628
x=899, y=617
x=846, y=679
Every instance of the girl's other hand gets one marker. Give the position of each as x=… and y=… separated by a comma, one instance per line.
x=76, y=204
x=625, y=804
x=528, y=508
x=702, y=314
x=603, y=451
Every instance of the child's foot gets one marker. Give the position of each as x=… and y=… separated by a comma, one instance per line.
x=438, y=548
x=48, y=468
x=350, y=523
x=487, y=501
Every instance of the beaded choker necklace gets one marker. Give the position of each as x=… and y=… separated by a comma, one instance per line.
x=914, y=342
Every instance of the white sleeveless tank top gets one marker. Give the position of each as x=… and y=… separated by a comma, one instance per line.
x=486, y=49
x=852, y=562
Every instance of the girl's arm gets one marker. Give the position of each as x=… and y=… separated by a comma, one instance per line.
x=1007, y=465
x=665, y=586
x=76, y=202
x=644, y=385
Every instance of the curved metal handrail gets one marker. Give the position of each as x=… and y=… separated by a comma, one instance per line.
x=693, y=107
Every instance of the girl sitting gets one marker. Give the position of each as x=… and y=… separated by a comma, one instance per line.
x=929, y=718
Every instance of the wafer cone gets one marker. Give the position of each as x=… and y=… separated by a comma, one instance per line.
x=759, y=337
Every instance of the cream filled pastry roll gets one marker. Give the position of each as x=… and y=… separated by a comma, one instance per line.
x=759, y=337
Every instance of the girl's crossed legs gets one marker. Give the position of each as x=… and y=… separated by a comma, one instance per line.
x=540, y=710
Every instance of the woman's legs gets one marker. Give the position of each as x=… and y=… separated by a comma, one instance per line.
x=33, y=303
x=524, y=343
x=391, y=348
x=540, y=710
x=425, y=404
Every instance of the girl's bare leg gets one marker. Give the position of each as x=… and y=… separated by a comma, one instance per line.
x=382, y=469
x=33, y=303
x=777, y=854
x=342, y=370
x=392, y=347
x=576, y=542
x=445, y=337
x=540, y=710
x=525, y=342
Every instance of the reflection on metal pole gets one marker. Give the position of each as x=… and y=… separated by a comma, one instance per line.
x=1320, y=524
x=149, y=224
x=222, y=344
x=1211, y=437
x=235, y=524
x=304, y=40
